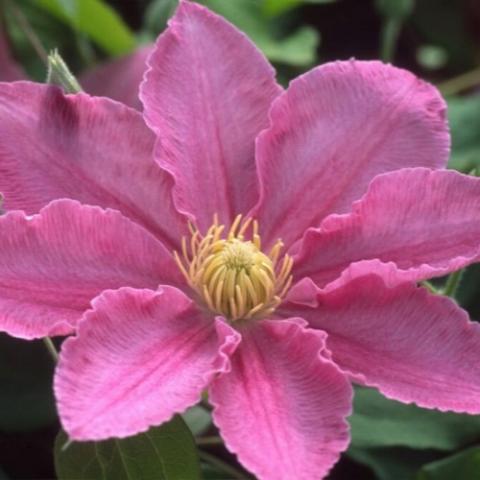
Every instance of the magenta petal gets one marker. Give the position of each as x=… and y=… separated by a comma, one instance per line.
x=139, y=357
x=119, y=79
x=426, y=222
x=89, y=149
x=207, y=96
x=54, y=263
x=9, y=69
x=282, y=407
x=336, y=128
x=412, y=345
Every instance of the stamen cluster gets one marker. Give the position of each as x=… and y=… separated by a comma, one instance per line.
x=231, y=274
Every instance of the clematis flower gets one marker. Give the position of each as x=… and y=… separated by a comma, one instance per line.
x=261, y=244
x=118, y=79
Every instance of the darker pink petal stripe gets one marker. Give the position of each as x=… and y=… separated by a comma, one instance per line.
x=89, y=149
x=333, y=131
x=140, y=356
x=206, y=96
x=54, y=263
x=426, y=222
x=282, y=407
x=413, y=346
x=119, y=79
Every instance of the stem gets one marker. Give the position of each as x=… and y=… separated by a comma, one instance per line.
x=460, y=83
x=27, y=29
x=430, y=287
x=390, y=32
x=51, y=348
x=453, y=283
x=213, y=440
x=223, y=466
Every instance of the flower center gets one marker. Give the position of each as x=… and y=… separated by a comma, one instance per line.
x=231, y=274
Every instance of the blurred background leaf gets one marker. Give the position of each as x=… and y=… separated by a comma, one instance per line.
x=462, y=466
x=93, y=18
x=380, y=422
x=275, y=7
x=26, y=397
x=279, y=38
x=464, y=118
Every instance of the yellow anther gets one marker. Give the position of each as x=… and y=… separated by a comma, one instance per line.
x=230, y=273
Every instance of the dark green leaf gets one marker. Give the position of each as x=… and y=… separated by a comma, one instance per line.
x=94, y=18
x=26, y=400
x=163, y=453
x=462, y=466
x=392, y=463
x=464, y=118
x=379, y=422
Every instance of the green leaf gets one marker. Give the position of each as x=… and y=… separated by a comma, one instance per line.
x=163, y=453
x=392, y=463
x=26, y=400
x=379, y=422
x=464, y=118
x=276, y=7
x=298, y=49
x=462, y=466
x=70, y=7
x=97, y=20
x=157, y=13
x=295, y=48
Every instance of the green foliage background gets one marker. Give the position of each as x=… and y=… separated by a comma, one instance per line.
x=438, y=40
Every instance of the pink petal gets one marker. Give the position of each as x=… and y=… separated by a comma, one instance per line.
x=426, y=222
x=93, y=150
x=119, y=79
x=411, y=345
x=206, y=96
x=336, y=128
x=139, y=357
x=54, y=263
x=283, y=405
x=9, y=69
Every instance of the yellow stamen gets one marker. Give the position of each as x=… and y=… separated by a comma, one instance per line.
x=230, y=274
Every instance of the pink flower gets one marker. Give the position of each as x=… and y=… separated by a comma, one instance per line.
x=346, y=166
x=118, y=79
